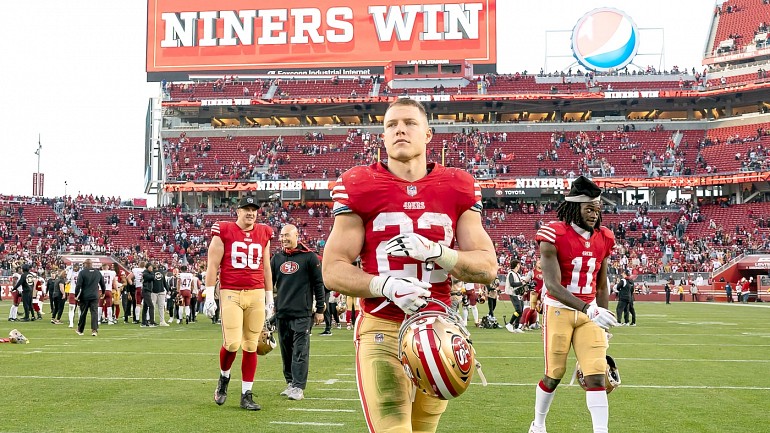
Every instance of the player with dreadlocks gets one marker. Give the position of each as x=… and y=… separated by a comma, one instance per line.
x=574, y=252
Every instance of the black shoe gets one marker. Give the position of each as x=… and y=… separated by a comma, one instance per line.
x=325, y=333
x=220, y=394
x=247, y=402
x=31, y=320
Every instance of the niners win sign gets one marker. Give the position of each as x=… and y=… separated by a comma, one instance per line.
x=191, y=35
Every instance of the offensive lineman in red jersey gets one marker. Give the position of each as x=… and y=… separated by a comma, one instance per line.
x=574, y=253
x=238, y=253
x=402, y=219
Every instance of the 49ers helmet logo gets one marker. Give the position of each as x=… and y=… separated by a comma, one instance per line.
x=462, y=353
x=289, y=268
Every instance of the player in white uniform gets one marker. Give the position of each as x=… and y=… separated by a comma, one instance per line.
x=72, y=277
x=13, y=314
x=137, y=273
x=186, y=281
x=110, y=281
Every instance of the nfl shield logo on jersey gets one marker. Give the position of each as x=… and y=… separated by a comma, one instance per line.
x=411, y=190
x=588, y=244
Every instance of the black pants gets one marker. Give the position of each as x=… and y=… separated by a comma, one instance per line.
x=147, y=308
x=57, y=307
x=327, y=313
x=129, y=306
x=492, y=304
x=331, y=313
x=632, y=311
x=86, y=306
x=668, y=297
x=193, y=308
x=622, y=310
x=26, y=299
x=294, y=339
x=518, y=305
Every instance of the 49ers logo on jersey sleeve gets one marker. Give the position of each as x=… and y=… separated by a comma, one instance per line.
x=462, y=353
x=289, y=268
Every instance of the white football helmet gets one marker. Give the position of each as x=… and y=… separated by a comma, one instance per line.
x=612, y=379
x=17, y=337
x=437, y=353
x=266, y=342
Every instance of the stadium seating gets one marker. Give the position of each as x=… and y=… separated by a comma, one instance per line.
x=743, y=22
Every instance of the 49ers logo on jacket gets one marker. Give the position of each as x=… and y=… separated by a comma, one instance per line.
x=289, y=268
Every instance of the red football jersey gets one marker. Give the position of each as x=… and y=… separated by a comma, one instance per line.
x=579, y=258
x=242, y=265
x=389, y=205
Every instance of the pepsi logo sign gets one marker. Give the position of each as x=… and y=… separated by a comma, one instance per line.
x=289, y=268
x=605, y=39
x=462, y=353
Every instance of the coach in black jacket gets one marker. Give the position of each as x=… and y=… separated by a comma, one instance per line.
x=87, y=293
x=27, y=284
x=297, y=276
x=148, y=306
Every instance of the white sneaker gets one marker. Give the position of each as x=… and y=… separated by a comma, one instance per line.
x=518, y=331
x=70, y=326
x=536, y=429
x=509, y=327
x=178, y=321
x=285, y=392
x=163, y=324
x=296, y=394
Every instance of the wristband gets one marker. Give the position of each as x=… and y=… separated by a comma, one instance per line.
x=585, y=308
x=376, y=285
x=448, y=258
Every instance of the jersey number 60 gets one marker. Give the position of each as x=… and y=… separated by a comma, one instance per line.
x=243, y=255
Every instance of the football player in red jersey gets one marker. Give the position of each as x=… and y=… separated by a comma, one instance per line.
x=402, y=218
x=237, y=254
x=574, y=252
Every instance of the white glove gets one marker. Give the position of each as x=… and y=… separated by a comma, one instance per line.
x=601, y=316
x=415, y=246
x=269, y=310
x=409, y=294
x=210, y=305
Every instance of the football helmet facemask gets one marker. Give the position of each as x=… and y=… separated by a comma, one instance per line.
x=612, y=379
x=266, y=342
x=437, y=353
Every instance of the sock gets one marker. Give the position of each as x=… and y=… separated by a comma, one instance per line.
x=12, y=314
x=248, y=367
x=186, y=312
x=475, y=312
x=246, y=386
x=543, y=399
x=72, y=314
x=596, y=400
x=465, y=315
x=109, y=314
x=138, y=312
x=226, y=360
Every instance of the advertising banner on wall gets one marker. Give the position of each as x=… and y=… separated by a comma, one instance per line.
x=331, y=37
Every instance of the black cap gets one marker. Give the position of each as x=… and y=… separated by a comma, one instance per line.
x=583, y=190
x=25, y=267
x=248, y=201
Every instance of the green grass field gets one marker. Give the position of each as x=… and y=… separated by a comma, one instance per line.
x=685, y=368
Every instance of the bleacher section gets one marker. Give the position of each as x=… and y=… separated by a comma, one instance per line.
x=741, y=18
